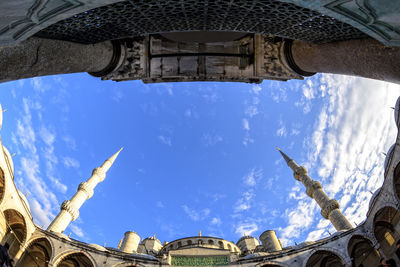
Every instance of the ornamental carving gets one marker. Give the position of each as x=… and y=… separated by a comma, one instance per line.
x=300, y=172
x=67, y=206
x=86, y=188
x=331, y=205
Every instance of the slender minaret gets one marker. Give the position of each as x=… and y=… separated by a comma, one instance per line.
x=329, y=207
x=70, y=208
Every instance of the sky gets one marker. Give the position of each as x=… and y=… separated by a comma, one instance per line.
x=198, y=156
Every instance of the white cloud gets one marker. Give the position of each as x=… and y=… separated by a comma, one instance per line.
x=165, y=140
x=253, y=177
x=70, y=162
x=77, y=230
x=282, y=132
x=211, y=139
x=244, y=202
x=216, y=221
x=354, y=124
x=245, y=124
x=246, y=228
x=159, y=204
x=70, y=142
x=196, y=215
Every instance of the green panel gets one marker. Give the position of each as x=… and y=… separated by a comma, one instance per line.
x=199, y=261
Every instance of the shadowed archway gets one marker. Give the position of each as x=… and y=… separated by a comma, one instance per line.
x=385, y=222
x=324, y=258
x=362, y=252
x=15, y=231
x=75, y=260
x=38, y=254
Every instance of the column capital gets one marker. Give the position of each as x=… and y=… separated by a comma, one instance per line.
x=67, y=206
x=86, y=188
x=331, y=205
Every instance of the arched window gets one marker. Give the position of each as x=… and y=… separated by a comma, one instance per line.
x=210, y=242
x=15, y=231
x=75, y=260
x=221, y=244
x=384, y=229
x=324, y=259
x=229, y=247
x=200, y=242
x=179, y=244
x=189, y=242
x=362, y=252
x=38, y=254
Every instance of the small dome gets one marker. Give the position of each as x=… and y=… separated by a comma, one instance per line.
x=397, y=113
x=24, y=200
x=245, y=237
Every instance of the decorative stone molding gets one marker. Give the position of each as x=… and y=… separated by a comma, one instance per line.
x=330, y=206
x=67, y=206
x=299, y=173
x=155, y=58
x=312, y=187
x=84, y=186
x=99, y=172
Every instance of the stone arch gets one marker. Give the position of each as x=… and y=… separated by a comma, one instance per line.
x=75, y=259
x=362, y=251
x=229, y=247
x=221, y=244
x=325, y=258
x=396, y=181
x=37, y=254
x=385, y=222
x=16, y=231
x=211, y=242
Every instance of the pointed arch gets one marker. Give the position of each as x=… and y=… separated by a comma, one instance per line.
x=37, y=254
x=75, y=259
x=16, y=231
x=362, y=251
x=385, y=222
x=324, y=258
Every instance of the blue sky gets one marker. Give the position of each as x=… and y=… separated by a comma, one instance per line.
x=197, y=156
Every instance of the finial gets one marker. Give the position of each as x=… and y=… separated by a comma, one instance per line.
x=113, y=157
x=154, y=236
x=200, y=233
x=119, y=244
x=285, y=157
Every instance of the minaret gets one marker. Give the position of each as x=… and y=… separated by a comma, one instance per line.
x=70, y=208
x=329, y=207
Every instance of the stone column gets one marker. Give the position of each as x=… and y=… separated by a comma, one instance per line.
x=39, y=57
x=329, y=207
x=70, y=208
x=270, y=242
x=362, y=57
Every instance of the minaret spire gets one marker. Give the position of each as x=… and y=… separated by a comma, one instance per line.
x=329, y=207
x=70, y=208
